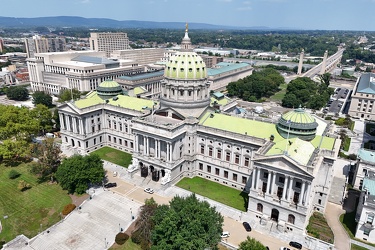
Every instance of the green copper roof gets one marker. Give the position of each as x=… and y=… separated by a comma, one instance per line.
x=109, y=84
x=123, y=101
x=366, y=155
x=298, y=116
x=185, y=66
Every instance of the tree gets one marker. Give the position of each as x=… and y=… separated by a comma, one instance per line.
x=144, y=225
x=251, y=244
x=67, y=94
x=49, y=155
x=18, y=93
x=186, y=223
x=76, y=173
x=56, y=119
x=44, y=117
x=41, y=97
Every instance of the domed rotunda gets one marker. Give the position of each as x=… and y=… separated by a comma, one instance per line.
x=185, y=87
x=108, y=89
x=297, y=123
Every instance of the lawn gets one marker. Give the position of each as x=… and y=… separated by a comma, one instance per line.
x=129, y=245
x=346, y=143
x=278, y=96
x=28, y=211
x=215, y=191
x=356, y=247
x=318, y=228
x=115, y=156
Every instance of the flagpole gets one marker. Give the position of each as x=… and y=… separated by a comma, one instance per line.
x=287, y=138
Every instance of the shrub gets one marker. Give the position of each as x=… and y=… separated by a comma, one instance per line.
x=68, y=208
x=121, y=238
x=23, y=185
x=13, y=174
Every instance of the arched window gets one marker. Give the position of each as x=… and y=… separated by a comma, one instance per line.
x=260, y=207
x=291, y=218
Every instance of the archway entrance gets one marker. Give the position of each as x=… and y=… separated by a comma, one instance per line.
x=73, y=144
x=144, y=170
x=155, y=175
x=162, y=172
x=275, y=214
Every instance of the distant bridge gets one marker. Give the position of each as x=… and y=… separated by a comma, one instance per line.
x=327, y=65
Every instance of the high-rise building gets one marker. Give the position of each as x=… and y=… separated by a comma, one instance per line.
x=1, y=45
x=363, y=97
x=109, y=42
x=38, y=44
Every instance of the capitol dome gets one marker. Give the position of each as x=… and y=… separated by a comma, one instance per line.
x=109, y=88
x=185, y=65
x=297, y=123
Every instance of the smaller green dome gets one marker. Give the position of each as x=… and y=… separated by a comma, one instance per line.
x=109, y=88
x=297, y=123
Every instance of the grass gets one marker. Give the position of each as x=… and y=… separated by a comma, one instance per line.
x=318, y=228
x=115, y=156
x=129, y=245
x=215, y=191
x=278, y=96
x=348, y=221
x=356, y=247
x=28, y=210
x=346, y=143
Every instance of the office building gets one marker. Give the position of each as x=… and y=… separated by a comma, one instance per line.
x=38, y=44
x=363, y=97
x=109, y=42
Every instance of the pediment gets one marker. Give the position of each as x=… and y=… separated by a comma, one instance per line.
x=69, y=108
x=283, y=163
x=170, y=110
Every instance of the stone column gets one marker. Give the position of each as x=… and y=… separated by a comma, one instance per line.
x=156, y=149
x=159, y=148
x=147, y=146
x=258, y=179
x=253, y=179
x=302, y=192
x=144, y=145
x=81, y=128
x=273, y=182
x=285, y=188
x=171, y=151
x=268, y=182
x=167, y=152
x=68, y=124
x=290, y=188
x=307, y=196
x=62, y=123
x=135, y=143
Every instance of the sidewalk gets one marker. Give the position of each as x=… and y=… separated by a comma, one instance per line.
x=332, y=214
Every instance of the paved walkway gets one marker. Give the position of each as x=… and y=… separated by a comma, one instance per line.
x=357, y=141
x=332, y=214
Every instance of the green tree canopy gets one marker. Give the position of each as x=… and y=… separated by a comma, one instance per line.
x=67, y=94
x=186, y=223
x=49, y=155
x=76, y=173
x=41, y=97
x=251, y=244
x=263, y=83
x=18, y=93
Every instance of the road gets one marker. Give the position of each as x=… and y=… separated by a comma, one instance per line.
x=330, y=60
x=267, y=62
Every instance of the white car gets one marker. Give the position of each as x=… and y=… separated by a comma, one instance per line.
x=225, y=235
x=284, y=248
x=149, y=190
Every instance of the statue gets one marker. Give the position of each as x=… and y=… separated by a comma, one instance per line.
x=186, y=27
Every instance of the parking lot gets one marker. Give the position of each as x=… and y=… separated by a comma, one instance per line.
x=337, y=101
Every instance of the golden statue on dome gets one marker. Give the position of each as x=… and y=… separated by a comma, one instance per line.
x=186, y=27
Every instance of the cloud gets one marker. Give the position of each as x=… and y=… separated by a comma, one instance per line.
x=85, y=1
x=244, y=8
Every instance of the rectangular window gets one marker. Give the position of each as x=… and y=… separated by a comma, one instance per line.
x=265, y=175
x=131, y=145
x=227, y=156
x=94, y=141
x=200, y=166
x=202, y=149
x=244, y=179
x=109, y=124
x=120, y=127
x=100, y=139
x=92, y=129
x=219, y=153
x=235, y=177
x=247, y=160
x=126, y=143
x=282, y=179
x=217, y=171
x=114, y=139
x=209, y=169
x=298, y=184
x=98, y=126
x=126, y=128
x=109, y=138
x=225, y=174
x=210, y=151
x=120, y=141
x=237, y=159
x=87, y=144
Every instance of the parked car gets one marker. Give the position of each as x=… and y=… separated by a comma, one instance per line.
x=284, y=248
x=114, y=174
x=149, y=190
x=246, y=226
x=225, y=235
x=295, y=244
x=110, y=184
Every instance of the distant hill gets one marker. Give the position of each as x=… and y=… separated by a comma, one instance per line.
x=75, y=21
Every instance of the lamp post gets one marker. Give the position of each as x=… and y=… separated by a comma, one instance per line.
x=131, y=214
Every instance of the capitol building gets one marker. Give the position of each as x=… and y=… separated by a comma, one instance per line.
x=285, y=167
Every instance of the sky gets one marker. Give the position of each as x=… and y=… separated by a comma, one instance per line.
x=294, y=14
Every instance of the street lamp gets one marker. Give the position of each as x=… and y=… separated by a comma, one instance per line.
x=131, y=214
